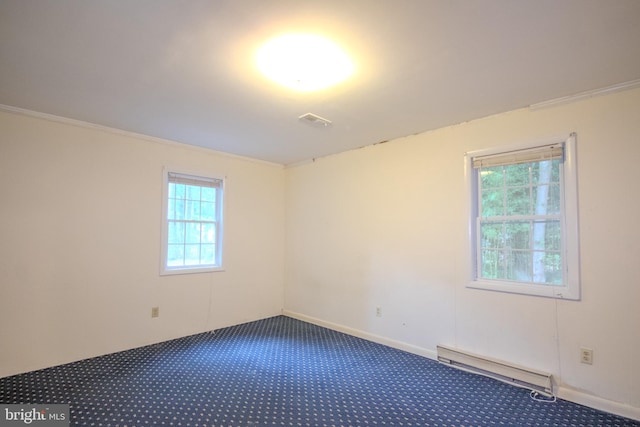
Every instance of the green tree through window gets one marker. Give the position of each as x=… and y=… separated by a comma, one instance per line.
x=520, y=231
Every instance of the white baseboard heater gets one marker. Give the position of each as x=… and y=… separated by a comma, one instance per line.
x=497, y=369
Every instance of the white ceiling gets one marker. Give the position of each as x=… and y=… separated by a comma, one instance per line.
x=184, y=71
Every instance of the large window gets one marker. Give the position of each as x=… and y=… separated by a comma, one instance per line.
x=192, y=223
x=523, y=228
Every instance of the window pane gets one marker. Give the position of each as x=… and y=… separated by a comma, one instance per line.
x=555, y=170
x=192, y=210
x=208, y=194
x=172, y=190
x=521, y=251
x=208, y=233
x=208, y=254
x=553, y=268
x=545, y=172
x=179, y=209
x=518, y=201
x=492, y=202
x=553, y=205
x=547, y=235
x=492, y=264
x=492, y=177
x=192, y=233
x=541, y=199
x=553, y=236
x=518, y=235
x=175, y=255
x=517, y=175
x=193, y=192
x=176, y=232
x=519, y=266
x=179, y=191
x=547, y=267
x=207, y=211
x=192, y=254
x=171, y=209
x=492, y=235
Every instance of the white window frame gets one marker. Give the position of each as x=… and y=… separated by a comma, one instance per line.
x=570, y=289
x=218, y=265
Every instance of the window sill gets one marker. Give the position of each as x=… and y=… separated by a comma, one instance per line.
x=193, y=270
x=548, y=291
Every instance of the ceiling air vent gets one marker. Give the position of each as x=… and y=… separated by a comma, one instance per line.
x=314, y=120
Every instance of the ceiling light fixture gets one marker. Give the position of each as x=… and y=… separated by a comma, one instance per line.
x=304, y=62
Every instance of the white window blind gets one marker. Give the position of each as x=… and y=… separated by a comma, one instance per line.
x=537, y=154
x=178, y=178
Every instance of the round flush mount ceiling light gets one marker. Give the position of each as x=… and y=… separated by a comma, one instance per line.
x=304, y=62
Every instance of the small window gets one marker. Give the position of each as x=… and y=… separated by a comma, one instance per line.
x=192, y=223
x=524, y=222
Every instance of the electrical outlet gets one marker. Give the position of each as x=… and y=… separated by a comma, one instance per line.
x=155, y=311
x=586, y=356
x=378, y=311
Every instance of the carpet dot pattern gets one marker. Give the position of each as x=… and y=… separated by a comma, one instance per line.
x=284, y=372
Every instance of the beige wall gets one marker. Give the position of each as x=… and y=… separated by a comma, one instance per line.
x=385, y=226
x=80, y=231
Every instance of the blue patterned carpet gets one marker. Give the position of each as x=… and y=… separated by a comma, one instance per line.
x=283, y=372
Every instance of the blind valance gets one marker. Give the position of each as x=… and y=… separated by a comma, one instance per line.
x=178, y=178
x=537, y=154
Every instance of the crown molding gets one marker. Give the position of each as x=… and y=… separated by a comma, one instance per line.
x=632, y=84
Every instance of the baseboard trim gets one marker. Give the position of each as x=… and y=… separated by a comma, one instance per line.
x=599, y=403
x=409, y=348
x=563, y=392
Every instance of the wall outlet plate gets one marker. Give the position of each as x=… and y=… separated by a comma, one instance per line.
x=586, y=356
